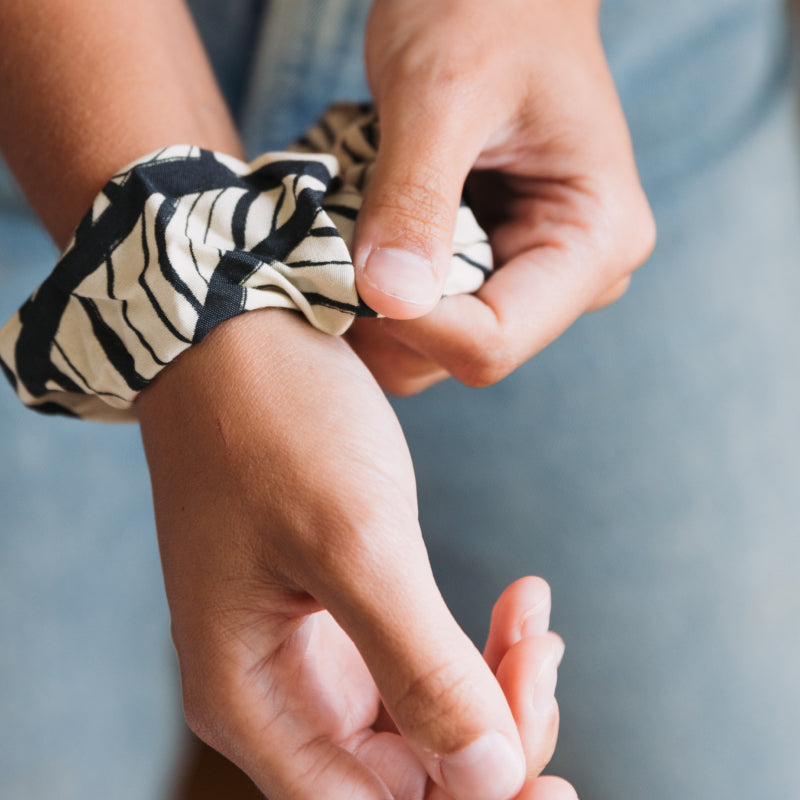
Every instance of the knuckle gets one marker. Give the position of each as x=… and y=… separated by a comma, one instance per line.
x=432, y=704
x=485, y=366
x=418, y=205
x=438, y=73
x=477, y=376
x=348, y=558
x=627, y=234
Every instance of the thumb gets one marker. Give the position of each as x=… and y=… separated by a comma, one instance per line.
x=404, y=232
x=435, y=685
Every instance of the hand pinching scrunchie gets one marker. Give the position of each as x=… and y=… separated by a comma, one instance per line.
x=184, y=239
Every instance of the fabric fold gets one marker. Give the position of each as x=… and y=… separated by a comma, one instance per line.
x=184, y=239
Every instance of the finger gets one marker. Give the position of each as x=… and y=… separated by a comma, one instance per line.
x=397, y=368
x=525, y=305
x=286, y=759
x=528, y=674
x=291, y=737
x=523, y=609
x=549, y=787
x=576, y=249
x=545, y=787
x=320, y=768
x=435, y=685
x=390, y=757
x=611, y=295
x=404, y=232
x=553, y=270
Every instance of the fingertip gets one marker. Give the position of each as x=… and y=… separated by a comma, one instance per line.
x=523, y=609
x=533, y=594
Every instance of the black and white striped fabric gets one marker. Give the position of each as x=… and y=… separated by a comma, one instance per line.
x=184, y=239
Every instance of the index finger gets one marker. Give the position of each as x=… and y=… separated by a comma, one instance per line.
x=526, y=304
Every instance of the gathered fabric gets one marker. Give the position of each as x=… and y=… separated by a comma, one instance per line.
x=184, y=239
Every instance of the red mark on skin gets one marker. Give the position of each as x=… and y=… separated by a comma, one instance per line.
x=222, y=435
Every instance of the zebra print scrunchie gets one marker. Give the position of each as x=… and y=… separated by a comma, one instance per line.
x=184, y=239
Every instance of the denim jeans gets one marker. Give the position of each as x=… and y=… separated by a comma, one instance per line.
x=645, y=464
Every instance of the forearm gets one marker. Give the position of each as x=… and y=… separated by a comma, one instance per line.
x=88, y=87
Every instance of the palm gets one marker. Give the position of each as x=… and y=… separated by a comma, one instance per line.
x=317, y=677
x=315, y=683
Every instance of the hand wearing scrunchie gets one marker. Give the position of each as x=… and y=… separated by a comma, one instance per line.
x=315, y=649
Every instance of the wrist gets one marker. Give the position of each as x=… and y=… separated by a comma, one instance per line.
x=186, y=238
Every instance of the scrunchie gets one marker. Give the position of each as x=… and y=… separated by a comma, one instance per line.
x=184, y=239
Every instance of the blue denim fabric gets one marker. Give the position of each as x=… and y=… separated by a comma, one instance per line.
x=292, y=84
x=645, y=464
x=88, y=684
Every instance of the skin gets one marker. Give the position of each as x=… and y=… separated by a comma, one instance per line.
x=306, y=618
x=315, y=649
x=521, y=97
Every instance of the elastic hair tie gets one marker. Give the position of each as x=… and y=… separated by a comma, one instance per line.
x=184, y=239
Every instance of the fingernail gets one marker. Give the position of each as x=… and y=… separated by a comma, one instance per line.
x=544, y=687
x=487, y=769
x=403, y=275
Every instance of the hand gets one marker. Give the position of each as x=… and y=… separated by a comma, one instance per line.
x=315, y=650
x=525, y=656
x=519, y=95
